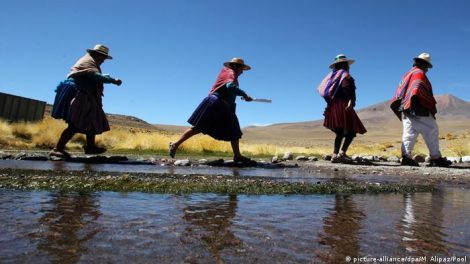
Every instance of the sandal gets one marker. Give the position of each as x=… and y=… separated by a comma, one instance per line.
x=345, y=158
x=335, y=158
x=172, y=149
x=59, y=154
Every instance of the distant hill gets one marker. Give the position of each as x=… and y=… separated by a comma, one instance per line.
x=382, y=125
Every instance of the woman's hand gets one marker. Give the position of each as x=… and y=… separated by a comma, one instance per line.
x=117, y=82
x=350, y=105
x=247, y=98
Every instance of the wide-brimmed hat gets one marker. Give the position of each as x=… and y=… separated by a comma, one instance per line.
x=239, y=62
x=101, y=49
x=424, y=57
x=341, y=58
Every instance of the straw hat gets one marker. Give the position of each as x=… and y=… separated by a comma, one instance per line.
x=101, y=49
x=341, y=58
x=239, y=62
x=424, y=57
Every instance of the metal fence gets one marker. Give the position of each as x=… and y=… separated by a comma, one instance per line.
x=16, y=108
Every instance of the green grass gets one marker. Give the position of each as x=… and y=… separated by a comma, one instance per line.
x=178, y=184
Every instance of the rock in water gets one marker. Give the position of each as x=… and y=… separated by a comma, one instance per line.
x=301, y=158
x=183, y=162
x=288, y=156
x=454, y=159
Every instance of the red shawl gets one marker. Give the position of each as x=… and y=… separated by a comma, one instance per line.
x=413, y=83
x=226, y=75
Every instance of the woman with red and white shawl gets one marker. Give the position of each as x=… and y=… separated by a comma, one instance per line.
x=339, y=91
x=415, y=106
x=78, y=101
x=215, y=116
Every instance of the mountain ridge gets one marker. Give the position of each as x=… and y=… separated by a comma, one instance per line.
x=453, y=116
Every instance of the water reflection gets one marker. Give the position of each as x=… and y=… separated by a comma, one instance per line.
x=211, y=221
x=107, y=227
x=421, y=225
x=59, y=166
x=340, y=235
x=67, y=226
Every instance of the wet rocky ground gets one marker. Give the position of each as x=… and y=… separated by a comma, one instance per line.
x=304, y=175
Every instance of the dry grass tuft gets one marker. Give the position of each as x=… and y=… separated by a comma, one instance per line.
x=449, y=136
x=459, y=148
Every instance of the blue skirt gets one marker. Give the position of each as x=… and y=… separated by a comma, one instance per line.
x=216, y=117
x=65, y=92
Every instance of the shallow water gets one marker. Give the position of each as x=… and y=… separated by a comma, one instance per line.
x=41, y=226
x=289, y=174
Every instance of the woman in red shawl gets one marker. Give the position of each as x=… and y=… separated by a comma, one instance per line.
x=339, y=91
x=215, y=116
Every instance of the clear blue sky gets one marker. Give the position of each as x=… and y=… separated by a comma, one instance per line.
x=168, y=53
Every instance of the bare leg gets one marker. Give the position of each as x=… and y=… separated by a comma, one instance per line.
x=347, y=142
x=90, y=140
x=338, y=139
x=65, y=137
x=237, y=156
x=91, y=147
x=186, y=135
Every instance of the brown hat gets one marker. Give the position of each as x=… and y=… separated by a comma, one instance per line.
x=341, y=58
x=102, y=50
x=239, y=62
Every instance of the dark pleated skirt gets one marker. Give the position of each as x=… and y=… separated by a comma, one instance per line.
x=86, y=114
x=338, y=119
x=65, y=92
x=216, y=118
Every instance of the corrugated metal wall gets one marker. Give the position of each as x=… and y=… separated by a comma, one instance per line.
x=16, y=108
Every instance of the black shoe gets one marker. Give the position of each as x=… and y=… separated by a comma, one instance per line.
x=94, y=150
x=440, y=162
x=405, y=161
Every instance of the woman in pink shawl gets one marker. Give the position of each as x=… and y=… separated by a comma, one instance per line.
x=81, y=106
x=215, y=116
x=339, y=91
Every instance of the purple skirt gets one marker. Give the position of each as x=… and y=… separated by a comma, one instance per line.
x=86, y=114
x=216, y=118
